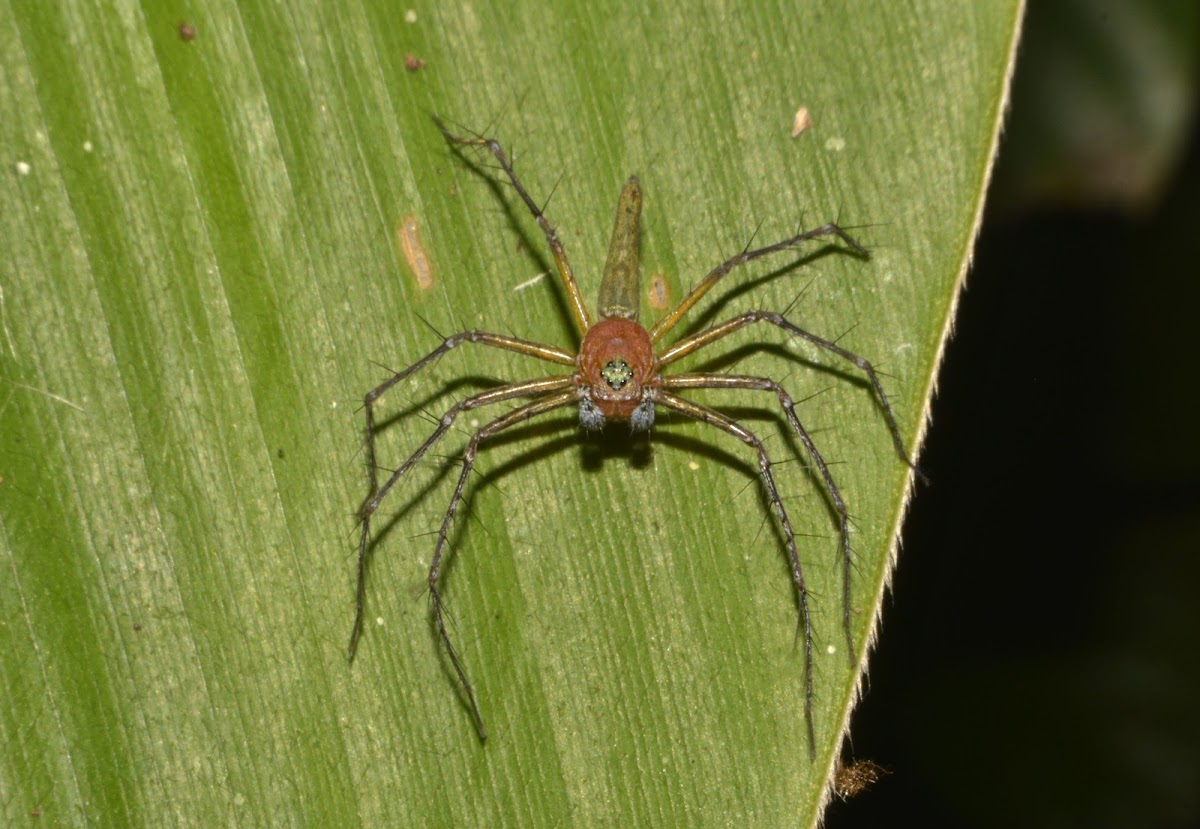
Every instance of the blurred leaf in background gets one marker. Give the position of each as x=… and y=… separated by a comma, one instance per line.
x=1037, y=667
x=1107, y=97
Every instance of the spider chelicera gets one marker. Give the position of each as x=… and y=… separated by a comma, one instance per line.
x=618, y=375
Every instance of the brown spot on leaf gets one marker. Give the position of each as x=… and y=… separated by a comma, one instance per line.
x=658, y=292
x=408, y=236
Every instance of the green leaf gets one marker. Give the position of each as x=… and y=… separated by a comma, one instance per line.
x=203, y=270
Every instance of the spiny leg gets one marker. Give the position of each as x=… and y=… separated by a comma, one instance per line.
x=705, y=285
x=715, y=418
x=518, y=415
x=699, y=340
x=731, y=381
x=375, y=498
x=549, y=353
x=541, y=351
x=583, y=318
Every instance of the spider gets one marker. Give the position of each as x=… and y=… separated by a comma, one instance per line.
x=617, y=375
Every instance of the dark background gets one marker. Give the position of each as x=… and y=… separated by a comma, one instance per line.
x=1039, y=663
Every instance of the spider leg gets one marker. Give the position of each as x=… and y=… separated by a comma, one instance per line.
x=530, y=388
x=579, y=310
x=715, y=418
x=549, y=353
x=730, y=381
x=672, y=317
x=697, y=341
x=518, y=415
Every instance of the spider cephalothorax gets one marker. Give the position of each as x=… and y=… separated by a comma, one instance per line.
x=618, y=375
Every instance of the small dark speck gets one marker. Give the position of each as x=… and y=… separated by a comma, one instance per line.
x=187, y=32
x=137, y=626
x=279, y=453
x=413, y=63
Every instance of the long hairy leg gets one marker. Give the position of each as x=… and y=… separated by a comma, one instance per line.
x=579, y=310
x=549, y=353
x=715, y=418
x=672, y=317
x=518, y=415
x=699, y=340
x=730, y=381
x=530, y=388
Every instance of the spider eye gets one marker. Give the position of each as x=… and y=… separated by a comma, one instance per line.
x=616, y=373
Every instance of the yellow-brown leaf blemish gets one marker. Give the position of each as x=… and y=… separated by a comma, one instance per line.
x=408, y=237
x=658, y=292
